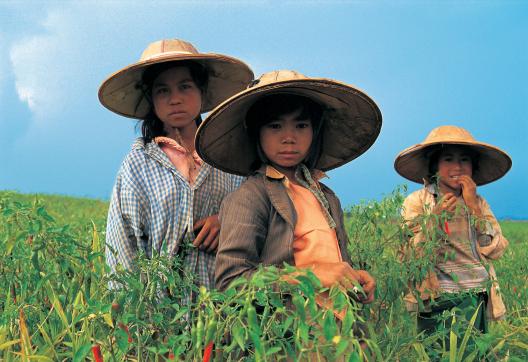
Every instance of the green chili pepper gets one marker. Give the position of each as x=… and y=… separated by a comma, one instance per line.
x=193, y=336
x=199, y=333
x=211, y=330
x=252, y=317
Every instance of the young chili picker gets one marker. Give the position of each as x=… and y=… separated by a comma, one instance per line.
x=164, y=194
x=282, y=132
x=452, y=164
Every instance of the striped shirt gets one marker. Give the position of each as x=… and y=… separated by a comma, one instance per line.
x=153, y=209
x=458, y=264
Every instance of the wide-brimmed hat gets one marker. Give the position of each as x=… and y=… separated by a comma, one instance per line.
x=413, y=162
x=123, y=91
x=351, y=122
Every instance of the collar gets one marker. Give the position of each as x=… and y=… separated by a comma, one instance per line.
x=175, y=145
x=275, y=174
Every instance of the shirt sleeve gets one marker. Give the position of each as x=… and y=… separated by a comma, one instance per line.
x=243, y=232
x=125, y=232
x=492, y=243
x=413, y=208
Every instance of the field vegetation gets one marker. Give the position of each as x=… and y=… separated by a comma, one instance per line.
x=55, y=304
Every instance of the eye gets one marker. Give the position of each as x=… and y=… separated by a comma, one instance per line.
x=303, y=124
x=160, y=90
x=273, y=125
x=187, y=86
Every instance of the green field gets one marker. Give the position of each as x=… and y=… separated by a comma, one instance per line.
x=55, y=304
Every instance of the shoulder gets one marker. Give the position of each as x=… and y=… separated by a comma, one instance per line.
x=327, y=190
x=253, y=184
x=421, y=195
x=217, y=173
x=137, y=152
x=250, y=192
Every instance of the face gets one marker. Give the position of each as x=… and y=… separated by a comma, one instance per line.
x=177, y=99
x=286, y=140
x=453, y=162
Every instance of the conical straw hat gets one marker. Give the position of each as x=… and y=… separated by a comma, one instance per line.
x=351, y=122
x=413, y=162
x=122, y=92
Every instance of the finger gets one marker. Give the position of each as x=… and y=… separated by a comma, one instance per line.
x=214, y=245
x=367, y=282
x=369, y=299
x=199, y=238
x=208, y=240
x=199, y=224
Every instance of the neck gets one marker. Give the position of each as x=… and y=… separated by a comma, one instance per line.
x=184, y=136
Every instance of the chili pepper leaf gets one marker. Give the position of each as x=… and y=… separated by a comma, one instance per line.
x=239, y=335
x=354, y=357
x=329, y=326
x=82, y=351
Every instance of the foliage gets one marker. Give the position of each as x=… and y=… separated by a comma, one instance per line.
x=55, y=303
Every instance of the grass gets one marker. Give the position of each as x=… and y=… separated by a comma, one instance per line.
x=51, y=261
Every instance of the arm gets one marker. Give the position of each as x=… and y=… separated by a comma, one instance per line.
x=491, y=242
x=244, y=218
x=125, y=225
x=207, y=230
x=413, y=210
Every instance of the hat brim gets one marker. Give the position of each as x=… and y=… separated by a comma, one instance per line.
x=121, y=92
x=352, y=122
x=413, y=162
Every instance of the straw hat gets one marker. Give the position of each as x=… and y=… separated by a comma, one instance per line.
x=413, y=162
x=351, y=122
x=122, y=92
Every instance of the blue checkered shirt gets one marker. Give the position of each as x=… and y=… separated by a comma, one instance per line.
x=153, y=209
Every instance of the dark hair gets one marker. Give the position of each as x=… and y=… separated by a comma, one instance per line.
x=269, y=108
x=434, y=153
x=151, y=125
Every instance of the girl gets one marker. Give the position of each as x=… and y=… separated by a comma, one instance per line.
x=283, y=132
x=165, y=198
x=452, y=164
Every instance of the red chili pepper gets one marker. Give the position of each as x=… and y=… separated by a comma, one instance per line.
x=171, y=356
x=207, y=352
x=447, y=228
x=96, y=351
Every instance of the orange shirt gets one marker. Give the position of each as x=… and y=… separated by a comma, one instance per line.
x=313, y=239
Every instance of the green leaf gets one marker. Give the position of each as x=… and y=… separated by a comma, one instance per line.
x=122, y=340
x=354, y=357
x=329, y=326
x=81, y=352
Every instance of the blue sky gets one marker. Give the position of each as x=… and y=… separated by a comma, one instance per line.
x=425, y=64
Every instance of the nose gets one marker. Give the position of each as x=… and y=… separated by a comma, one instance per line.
x=288, y=136
x=175, y=98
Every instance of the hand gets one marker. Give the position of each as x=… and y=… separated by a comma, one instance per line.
x=208, y=233
x=368, y=283
x=446, y=203
x=469, y=193
x=342, y=274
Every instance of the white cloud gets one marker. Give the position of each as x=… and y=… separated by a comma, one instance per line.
x=36, y=67
x=49, y=65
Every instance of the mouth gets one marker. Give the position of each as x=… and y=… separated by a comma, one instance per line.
x=286, y=153
x=176, y=113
